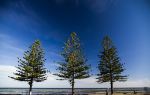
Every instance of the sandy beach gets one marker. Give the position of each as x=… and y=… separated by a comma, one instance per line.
x=100, y=93
x=97, y=93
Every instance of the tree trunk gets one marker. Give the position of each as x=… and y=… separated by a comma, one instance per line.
x=72, y=88
x=30, y=89
x=106, y=91
x=111, y=83
x=73, y=85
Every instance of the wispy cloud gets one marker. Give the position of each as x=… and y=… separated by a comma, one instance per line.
x=9, y=49
x=97, y=6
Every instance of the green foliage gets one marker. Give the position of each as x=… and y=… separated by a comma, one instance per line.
x=31, y=67
x=74, y=64
x=110, y=66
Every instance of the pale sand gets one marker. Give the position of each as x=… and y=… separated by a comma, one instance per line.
x=100, y=93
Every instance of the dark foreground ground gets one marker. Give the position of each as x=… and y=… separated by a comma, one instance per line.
x=87, y=94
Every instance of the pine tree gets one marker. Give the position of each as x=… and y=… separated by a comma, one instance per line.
x=110, y=66
x=74, y=64
x=31, y=67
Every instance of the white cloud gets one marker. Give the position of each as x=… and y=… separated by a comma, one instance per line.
x=134, y=83
x=5, y=81
x=91, y=82
x=51, y=82
x=7, y=69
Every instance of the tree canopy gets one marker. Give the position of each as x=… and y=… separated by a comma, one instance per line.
x=74, y=65
x=110, y=67
x=31, y=66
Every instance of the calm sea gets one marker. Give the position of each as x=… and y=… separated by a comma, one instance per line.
x=57, y=91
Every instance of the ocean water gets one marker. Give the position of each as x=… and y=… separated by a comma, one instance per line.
x=65, y=91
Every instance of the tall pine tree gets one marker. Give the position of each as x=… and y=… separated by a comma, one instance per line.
x=110, y=66
x=31, y=67
x=74, y=64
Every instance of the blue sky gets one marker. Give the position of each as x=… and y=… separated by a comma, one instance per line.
x=127, y=22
